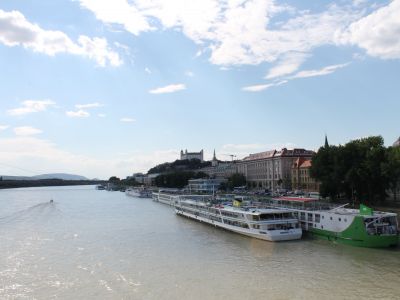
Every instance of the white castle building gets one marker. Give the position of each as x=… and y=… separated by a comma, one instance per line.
x=192, y=155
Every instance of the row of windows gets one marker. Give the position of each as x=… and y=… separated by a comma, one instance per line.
x=315, y=217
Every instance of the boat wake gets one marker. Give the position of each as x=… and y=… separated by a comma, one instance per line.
x=38, y=212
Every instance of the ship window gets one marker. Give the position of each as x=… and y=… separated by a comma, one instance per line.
x=340, y=219
x=322, y=217
x=309, y=217
x=331, y=218
x=317, y=218
x=322, y=226
x=345, y=220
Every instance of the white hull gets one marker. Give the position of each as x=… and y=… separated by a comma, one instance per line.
x=267, y=235
x=138, y=193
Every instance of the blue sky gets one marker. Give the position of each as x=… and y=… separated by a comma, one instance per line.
x=103, y=88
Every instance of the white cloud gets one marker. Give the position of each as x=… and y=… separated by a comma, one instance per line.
x=287, y=65
x=26, y=130
x=16, y=30
x=101, y=115
x=77, y=114
x=168, y=89
x=189, y=74
x=147, y=70
x=378, y=33
x=89, y=105
x=3, y=127
x=118, y=12
x=324, y=71
x=234, y=32
x=262, y=87
x=31, y=106
x=127, y=120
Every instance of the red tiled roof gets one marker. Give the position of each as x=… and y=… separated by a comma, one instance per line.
x=306, y=164
x=277, y=153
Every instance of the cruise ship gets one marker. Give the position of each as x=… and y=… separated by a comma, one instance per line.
x=358, y=227
x=171, y=197
x=265, y=224
x=139, y=192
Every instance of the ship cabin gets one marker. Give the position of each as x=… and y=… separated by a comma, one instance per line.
x=316, y=215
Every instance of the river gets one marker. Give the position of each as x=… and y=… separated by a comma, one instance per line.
x=91, y=244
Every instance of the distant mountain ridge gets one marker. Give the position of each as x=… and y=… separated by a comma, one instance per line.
x=62, y=176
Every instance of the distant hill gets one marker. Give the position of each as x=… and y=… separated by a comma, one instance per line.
x=6, y=177
x=61, y=176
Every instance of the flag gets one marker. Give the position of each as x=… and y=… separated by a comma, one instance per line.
x=237, y=202
x=365, y=210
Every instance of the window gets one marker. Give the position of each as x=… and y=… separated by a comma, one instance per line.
x=340, y=219
x=331, y=218
x=317, y=218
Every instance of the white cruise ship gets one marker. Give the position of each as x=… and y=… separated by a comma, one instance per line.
x=265, y=224
x=138, y=192
x=173, y=197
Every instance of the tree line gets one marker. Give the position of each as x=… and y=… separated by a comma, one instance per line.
x=8, y=184
x=363, y=170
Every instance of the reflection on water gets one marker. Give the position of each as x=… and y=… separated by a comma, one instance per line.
x=92, y=244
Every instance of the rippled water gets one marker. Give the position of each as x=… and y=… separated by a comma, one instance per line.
x=92, y=244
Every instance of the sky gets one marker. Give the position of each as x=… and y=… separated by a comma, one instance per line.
x=113, y=87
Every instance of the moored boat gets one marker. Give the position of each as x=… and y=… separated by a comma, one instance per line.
x=264, y=224
x=139, y=192
x=362, y=227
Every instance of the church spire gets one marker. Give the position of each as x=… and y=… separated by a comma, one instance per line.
x=326, y=142
x=214, y=157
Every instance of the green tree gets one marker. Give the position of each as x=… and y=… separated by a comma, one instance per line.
x=114, y=179
x=356, y=170
x=391, y=169
x=236, y=180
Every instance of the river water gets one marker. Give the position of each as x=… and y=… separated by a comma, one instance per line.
x=92, y=244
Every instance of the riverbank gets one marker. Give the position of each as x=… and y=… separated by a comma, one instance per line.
x=10, y=184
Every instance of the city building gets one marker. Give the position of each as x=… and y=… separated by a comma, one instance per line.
x=192, y=155
x=271, y=169
x=301, y=179
x=204, y=185
x=220, y=169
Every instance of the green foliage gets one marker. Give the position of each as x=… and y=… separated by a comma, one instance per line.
x=114, y=179
x=179, y=165
x=391, y=169
x=236, y=180
x=362, y=170
x=177, y=179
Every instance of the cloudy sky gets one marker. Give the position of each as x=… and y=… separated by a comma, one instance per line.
x=112, y=87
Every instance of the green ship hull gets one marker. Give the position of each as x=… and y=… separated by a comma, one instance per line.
x=356, y=235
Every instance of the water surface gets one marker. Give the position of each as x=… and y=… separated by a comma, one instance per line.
x=92, y=244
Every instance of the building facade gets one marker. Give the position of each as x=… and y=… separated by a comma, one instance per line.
x=271, y=169
x=192, y=155
x=220, y=169
x=301, y=179
x=204, y=185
